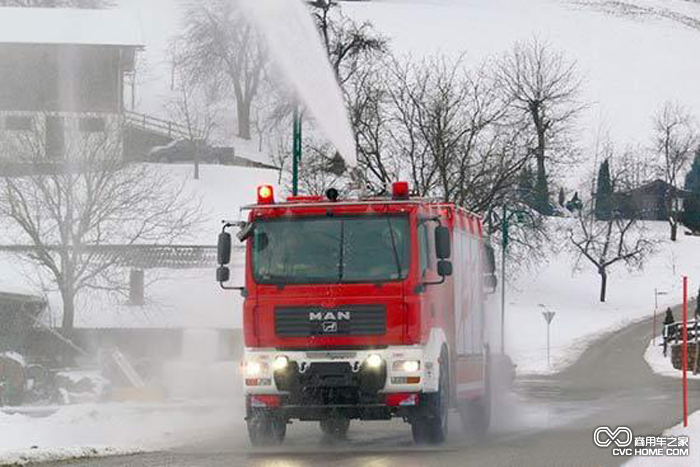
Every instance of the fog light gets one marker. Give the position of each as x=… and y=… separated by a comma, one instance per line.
x=253, y=368
x=374, y=361
x=280, y=363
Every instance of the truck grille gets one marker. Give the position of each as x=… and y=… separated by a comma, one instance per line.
x=368, y=320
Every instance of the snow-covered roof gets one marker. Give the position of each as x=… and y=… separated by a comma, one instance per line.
x=69, y=26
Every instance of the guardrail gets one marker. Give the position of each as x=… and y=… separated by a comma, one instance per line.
x=143, y=256
x=160, y=126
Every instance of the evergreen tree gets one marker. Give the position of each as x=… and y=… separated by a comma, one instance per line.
x=691, y=206
x=604, y=193
x=562, y=197
x=574, y=204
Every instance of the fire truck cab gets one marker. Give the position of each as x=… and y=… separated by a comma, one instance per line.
x=362, y=309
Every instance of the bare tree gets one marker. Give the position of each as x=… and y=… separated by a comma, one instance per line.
x=194, y=106
x=72, y=202
x=675, y=141
x=615, y=239
x=347, y=41
x=544, y=86
x=220, y=48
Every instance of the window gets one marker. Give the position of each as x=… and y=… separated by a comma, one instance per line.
x=331, y=250
x=91, y=125
x=18, y=123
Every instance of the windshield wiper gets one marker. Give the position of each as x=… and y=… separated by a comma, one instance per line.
x=393, y=246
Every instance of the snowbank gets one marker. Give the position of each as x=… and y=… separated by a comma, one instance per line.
x=580, y=317
x=693, y=460
x=654, y=356
x=111, y=429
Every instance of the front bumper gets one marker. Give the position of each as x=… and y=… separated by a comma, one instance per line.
x=332, y=369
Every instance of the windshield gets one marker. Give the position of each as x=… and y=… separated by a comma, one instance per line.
x=331, y=250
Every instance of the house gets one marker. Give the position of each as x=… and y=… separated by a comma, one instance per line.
x=62, y=73
x=649, y=201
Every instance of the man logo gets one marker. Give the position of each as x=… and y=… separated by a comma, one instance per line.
x=329, y=316
x=604, y=436
x=330, y=327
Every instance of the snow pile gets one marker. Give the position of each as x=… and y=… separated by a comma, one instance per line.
x=693, y=460
x=654, y=356
x=580, y=317
x=99, y=430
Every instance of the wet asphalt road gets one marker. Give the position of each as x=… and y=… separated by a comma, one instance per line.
x=548, y=421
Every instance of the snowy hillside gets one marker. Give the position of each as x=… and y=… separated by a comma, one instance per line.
x=630, y=63
x=580, y=317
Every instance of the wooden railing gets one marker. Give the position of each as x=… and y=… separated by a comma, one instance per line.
x=161, y=127
x=673, y=333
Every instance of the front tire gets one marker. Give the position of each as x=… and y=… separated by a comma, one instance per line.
x=266, y=429
x=431, y=427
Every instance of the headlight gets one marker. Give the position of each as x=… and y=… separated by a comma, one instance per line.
x=374, y=361
x=406, y=366
x=253, y=368
x=280, y=363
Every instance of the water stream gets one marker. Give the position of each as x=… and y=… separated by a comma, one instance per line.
x=296, y=50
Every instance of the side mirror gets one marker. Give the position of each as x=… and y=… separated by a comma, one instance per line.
x=245, y=232
x=444, y=268
x=443, y=248
x=224, y=248
x=223, y=274
x=490, y=283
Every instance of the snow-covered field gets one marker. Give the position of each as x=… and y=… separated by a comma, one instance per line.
x=108, y=429
x=580, y=317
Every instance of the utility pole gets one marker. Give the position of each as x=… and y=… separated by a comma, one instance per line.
x=296, y=149
x=504, y=247
x=505, y=240
x=657, y=292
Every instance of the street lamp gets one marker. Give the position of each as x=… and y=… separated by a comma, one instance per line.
x=506, y=217
x=296, y=149
x=657, y=292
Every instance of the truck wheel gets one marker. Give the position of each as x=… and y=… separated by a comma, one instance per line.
x=265, y=429
x=431, y=428
x=335, y=428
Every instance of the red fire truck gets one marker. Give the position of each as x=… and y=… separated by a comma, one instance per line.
x=362, y=309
